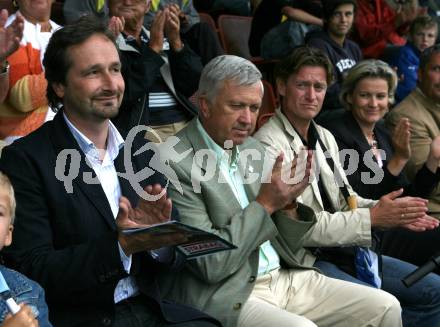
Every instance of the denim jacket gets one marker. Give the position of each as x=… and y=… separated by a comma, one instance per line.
x=24, y=290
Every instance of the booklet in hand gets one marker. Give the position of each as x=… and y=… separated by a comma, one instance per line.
x=199, y=241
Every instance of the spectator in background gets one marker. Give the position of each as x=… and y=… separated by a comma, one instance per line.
x=9, y=41
x=280, y=25
x=342, y=52
x=377, y=25
x=433, y=7
x=367, y=94
x=199, y=36
x=231, y=7
x=74, y=9
x=160, y=71
x=26, y=107
x=422, y=34
x=422, y=108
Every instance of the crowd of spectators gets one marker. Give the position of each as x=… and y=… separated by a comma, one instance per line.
x=319, y=242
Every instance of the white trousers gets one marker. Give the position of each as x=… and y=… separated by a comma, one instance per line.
x=306, y=298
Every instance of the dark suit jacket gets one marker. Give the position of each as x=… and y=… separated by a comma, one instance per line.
x=348, y=135
x=68, y=242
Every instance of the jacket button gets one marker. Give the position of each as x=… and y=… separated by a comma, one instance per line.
x=251, y=279
x=237, y=306
x=106, y=321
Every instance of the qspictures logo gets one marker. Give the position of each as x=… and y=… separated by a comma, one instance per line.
x=205, y=165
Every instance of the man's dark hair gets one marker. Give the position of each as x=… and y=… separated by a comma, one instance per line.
x=329, y=7
x=56, y=58
x=300, y=57
x=426, y=55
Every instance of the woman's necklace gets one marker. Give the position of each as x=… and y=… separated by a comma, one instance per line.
x=374, y=148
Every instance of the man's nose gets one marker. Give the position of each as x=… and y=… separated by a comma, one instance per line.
x=110, y=81
x=246, y=116
x=310, y=92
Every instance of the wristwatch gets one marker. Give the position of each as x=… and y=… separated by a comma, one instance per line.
x=4, y=68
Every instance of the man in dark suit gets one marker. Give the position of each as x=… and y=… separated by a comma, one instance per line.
x=73, y=204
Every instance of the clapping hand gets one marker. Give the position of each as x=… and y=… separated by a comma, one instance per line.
x=116, y=25
x=146, y=213
x=400, y=139
x=282, y=190
x=172, y=27
x=392, y=211
x=10, y=36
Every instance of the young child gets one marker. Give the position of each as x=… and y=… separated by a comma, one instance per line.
x=27, y=293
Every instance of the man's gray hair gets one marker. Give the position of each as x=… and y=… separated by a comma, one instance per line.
x=224, y=68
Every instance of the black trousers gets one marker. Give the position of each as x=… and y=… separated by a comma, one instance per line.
x=138, y=312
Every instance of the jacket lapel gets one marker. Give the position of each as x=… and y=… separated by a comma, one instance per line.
x=63, y=139
x=197, y=143
x=296, y=146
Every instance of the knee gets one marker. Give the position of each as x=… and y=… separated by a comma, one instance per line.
x=309, y=323
x=389, y=306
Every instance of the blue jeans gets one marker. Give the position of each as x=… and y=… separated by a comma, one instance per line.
x=420, y=303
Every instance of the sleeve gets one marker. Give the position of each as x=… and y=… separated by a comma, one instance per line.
x=369, y=30
x=43, y=310
x=186, y=68
x=424, y=182
x=191, y=12
x=342, y=228
x=139, y=75
x=403, y=63
x=28, y=93
x=247, y=229
x=27, y=82
x=389, y=182
x=292, y=231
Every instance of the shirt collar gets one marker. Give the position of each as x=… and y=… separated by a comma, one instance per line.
x=114, y=141
x=222, y=156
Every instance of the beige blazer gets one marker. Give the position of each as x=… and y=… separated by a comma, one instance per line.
x=220, y=283
x=344, y=227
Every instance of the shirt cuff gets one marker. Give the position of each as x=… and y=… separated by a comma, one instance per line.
x=126, y=260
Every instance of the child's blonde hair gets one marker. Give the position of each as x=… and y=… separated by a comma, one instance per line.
x=5, y=184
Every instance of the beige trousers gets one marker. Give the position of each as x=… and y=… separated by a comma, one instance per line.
x=306, y=298
x=160, y=133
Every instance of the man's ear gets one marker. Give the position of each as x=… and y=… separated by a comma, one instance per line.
x=58, y=88
x=8, y=238
x=204, y=107
x=349, y=99
x=281, y=87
